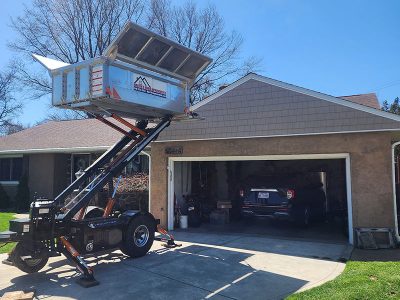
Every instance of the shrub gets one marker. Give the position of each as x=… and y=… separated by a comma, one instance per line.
x=22, y=198
x=4, y=198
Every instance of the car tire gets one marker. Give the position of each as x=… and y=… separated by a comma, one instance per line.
x=138, y=237
x=29, y=265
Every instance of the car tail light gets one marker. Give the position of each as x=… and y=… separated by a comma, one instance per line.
x=241, y=193
x=290, y=194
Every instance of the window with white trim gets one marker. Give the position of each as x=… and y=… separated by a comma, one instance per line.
x=10, y=169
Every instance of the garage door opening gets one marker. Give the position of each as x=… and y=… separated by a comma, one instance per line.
x=289, y=198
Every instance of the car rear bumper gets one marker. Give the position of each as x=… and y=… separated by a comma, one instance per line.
x=267, y=214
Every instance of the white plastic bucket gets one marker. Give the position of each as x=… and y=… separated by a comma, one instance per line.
x=183, y=222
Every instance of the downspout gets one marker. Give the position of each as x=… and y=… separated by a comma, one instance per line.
x=394, y=193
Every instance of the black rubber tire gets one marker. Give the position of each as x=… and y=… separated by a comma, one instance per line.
x=28, y=265
x=139, y=223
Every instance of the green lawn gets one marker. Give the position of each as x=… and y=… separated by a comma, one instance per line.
x=4, y=218
x=360, y=280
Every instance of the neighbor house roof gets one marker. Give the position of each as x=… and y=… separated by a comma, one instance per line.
x=364, y=99
x=61, y=136
x=258, y=106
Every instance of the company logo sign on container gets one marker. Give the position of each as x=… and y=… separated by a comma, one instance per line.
x=149, y=85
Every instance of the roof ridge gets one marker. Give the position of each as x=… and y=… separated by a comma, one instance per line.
x=356, y=95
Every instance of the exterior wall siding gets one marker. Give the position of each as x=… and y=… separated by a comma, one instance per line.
x=370, y=158
x=256, y=108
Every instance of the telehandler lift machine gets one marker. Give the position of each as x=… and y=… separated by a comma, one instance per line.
x=144, y=76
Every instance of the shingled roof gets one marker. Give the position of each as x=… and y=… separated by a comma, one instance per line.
x=258, y=106
x=60, y=136
x=253, y=106
x=364, y=99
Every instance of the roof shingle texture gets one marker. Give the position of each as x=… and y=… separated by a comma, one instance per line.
x=364, y=99
x=259, y=109
x=62, y=134
x=253, y=108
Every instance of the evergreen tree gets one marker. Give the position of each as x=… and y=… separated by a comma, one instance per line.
x=393, y=107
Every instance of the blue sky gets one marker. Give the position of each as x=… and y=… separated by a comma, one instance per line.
x=336, y=47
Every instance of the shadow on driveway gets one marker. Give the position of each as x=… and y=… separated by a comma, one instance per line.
x=205, y=267
x=184, y=274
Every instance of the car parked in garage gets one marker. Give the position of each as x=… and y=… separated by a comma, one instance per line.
x=284, y=199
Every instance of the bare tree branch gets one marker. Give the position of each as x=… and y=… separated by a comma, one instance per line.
x=10, y=128
x=204, y=31
x=76, y=30
x=9, y=106
x=59, y=114
x=69, y=31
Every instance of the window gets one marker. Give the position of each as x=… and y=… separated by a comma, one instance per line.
x=139, y=165
x=10, y=169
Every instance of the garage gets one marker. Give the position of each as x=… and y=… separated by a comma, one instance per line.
x=260, y=127
x=214, y=186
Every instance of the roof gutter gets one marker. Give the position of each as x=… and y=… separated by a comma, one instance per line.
x=57, y=150
x=277, y=135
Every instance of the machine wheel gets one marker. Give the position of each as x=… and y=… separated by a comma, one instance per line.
x=22, y=258
x=139, y=236
x=93, y=212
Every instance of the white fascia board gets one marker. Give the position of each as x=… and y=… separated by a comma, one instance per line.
x=280, y=135
x=300, y=90
x=5, y=153
x=55, y=150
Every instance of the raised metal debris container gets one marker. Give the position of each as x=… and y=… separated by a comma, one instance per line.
x=141, y=75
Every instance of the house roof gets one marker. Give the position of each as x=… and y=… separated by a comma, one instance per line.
x=254, y=106
x=61, y=136
x=258, y=106
x=364, y=99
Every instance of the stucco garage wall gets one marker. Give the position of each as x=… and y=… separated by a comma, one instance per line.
x=370, y=158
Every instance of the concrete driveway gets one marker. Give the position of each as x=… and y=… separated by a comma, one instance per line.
x=207, y=266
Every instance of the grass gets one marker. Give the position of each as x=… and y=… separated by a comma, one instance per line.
x=360, y=280
x=4, y=218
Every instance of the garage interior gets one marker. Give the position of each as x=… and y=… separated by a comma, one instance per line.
x=215, y=188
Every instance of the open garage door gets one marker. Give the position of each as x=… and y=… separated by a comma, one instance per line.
x=307, y=196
